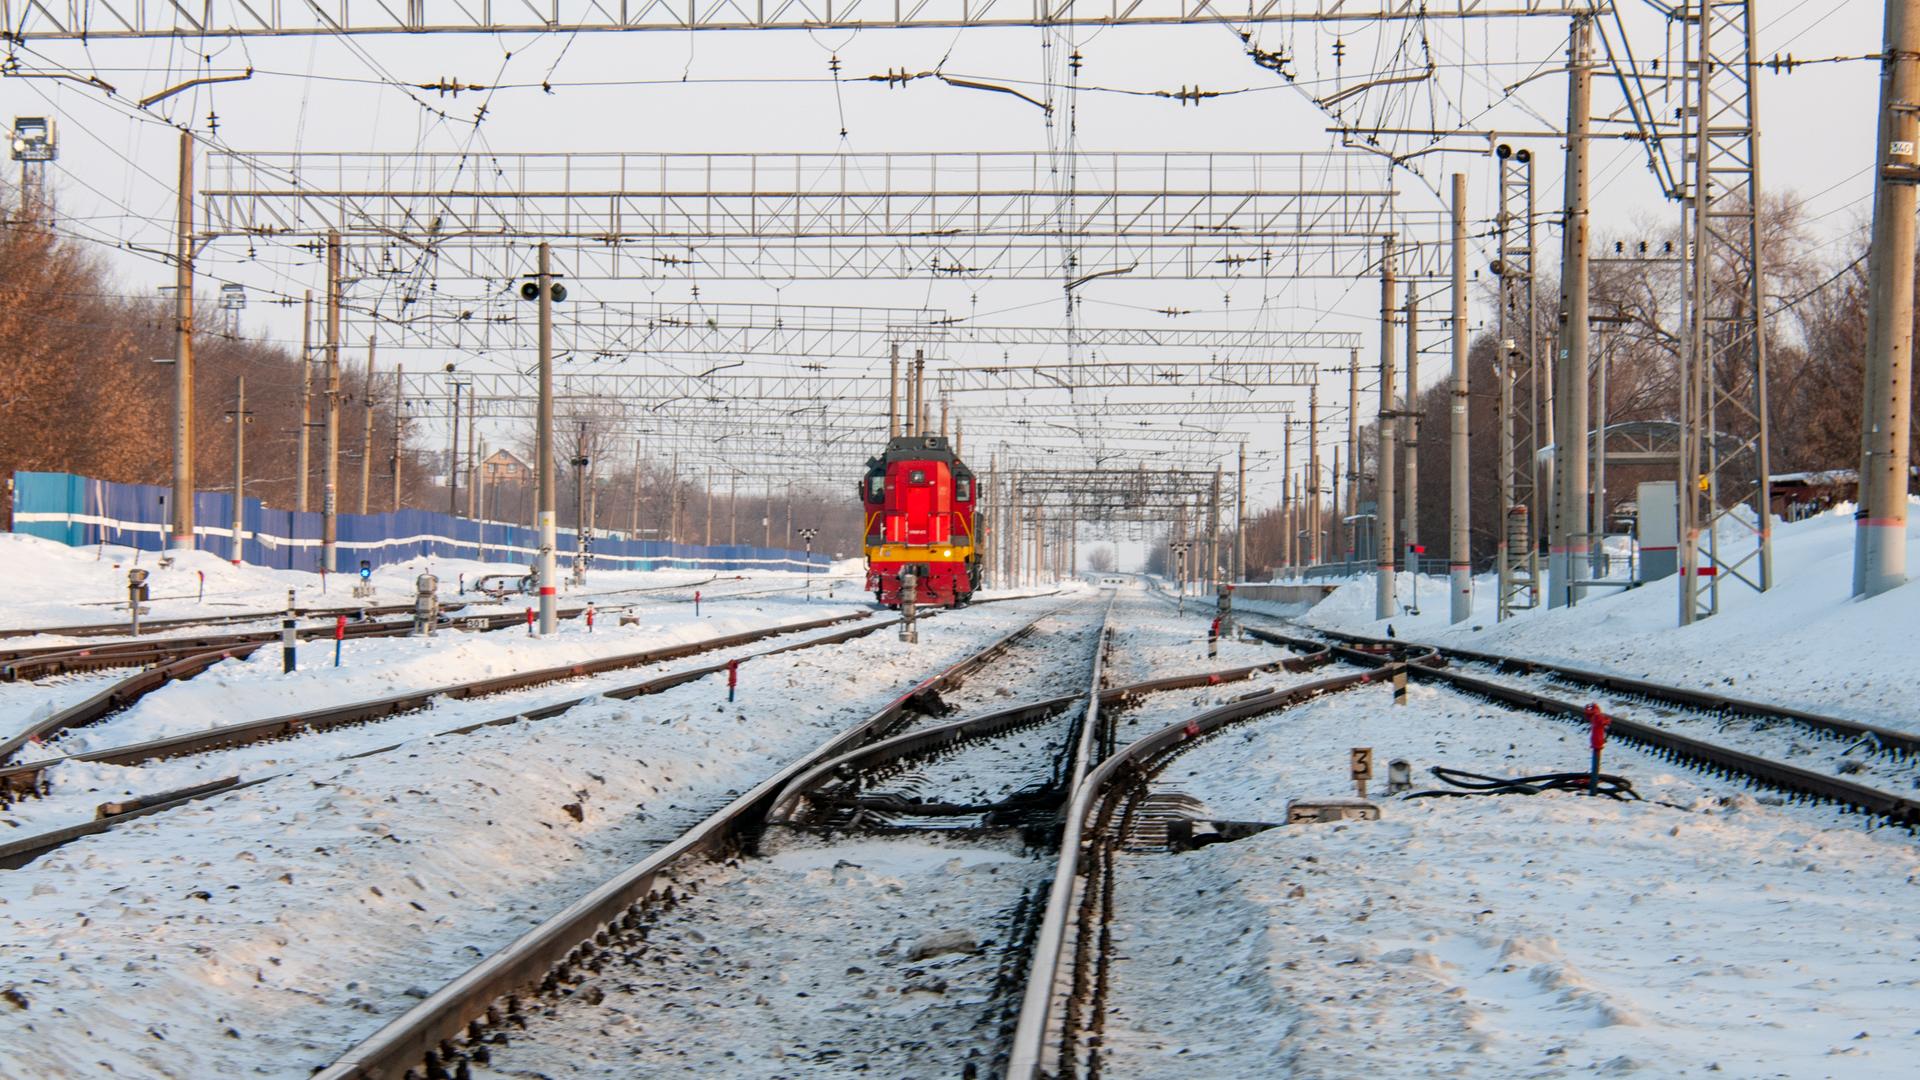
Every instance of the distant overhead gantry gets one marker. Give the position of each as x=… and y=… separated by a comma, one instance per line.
x=502, y=324
x=1193, y=215
x=40, y=20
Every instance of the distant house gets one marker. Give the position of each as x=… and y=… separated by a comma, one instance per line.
x=501, y=467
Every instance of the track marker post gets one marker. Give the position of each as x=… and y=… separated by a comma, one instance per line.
x=696, y=603
x=1400, y=687
x=1213, y=638
x=339, y=635
x=136, y=592
x=1597, y=722
x=203, y=587
x=1360, y=765
x=589, y=618
x=733, y=677
x=530, y=618
x=289, y=653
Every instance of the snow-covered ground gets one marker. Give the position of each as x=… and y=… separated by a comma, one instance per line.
x=52, y=585
x=256, y=689
x=1702, y=931
x=1806, y=642
x=875, y=957
x=262, y=932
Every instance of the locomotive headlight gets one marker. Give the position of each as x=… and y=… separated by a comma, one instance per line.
x=946, y=553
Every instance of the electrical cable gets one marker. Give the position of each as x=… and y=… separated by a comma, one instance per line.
x=1465, y=783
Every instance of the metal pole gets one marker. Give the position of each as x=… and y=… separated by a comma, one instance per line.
x=1460, y=555
x=1410, y=443
x=1288, y=556
x=1383, y=583
x=239, y=462
x=1240, y=521
x=183, y=356
x=1570, y=372
x=709, y=542
x=543, y=567
x=1880, y=525
x=1351, y=508
x=453, y=454
x=330, y=483
x=1313, y=475
x=893, y=393
x=305, y=466
x=473, y=459
x=1333, y=510
x=366, y=437
x=399, y=373
x=1213, y=530
x=733, y=509
x=1597, y=515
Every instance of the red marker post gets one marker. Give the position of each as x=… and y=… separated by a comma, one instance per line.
x=1213, y=638
x=530, y=618
x=203, y=587
x=696, y=603
x=339, y=635
x=589, y=618
x=1597, y=722
x=733, y=677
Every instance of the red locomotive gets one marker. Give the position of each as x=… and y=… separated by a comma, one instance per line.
x=919, y=499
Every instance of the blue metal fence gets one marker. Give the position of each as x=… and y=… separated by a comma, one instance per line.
x=76, y=510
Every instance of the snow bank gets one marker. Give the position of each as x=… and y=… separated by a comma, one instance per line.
x=1805, y=643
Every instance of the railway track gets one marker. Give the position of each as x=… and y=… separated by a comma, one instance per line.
x=29, y=778
x=847, y=790
x=173, y=664
x=1649, y=714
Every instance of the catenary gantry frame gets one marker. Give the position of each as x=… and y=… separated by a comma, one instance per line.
x=501, y=322
x=36, y=20
x=1198, y=215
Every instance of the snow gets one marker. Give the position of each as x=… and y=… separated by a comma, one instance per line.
x=1708, y=929
x=1704, y=930
x=802, y=963
x=256, y=689
x=49, y=584
x=332, y=893
x=1805, y=643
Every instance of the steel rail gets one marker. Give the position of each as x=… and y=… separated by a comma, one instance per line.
x=19, y=852
x=1904, y=743
x=108, y=629
x=787, y=805
x=1684, y=749
x=40, y=661
x=25, y=777
x=1035, y=1033
x=124, y=693
x=434, y=1032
